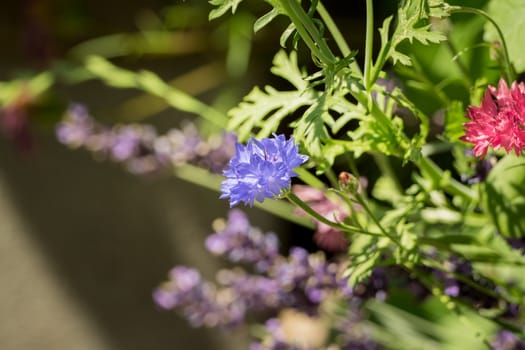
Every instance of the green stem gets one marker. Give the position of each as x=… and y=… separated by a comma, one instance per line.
x=338, y=37
x=369, y=41
x=149, y=82
x=456, y=57
x=340, y=226
x=362, y=202
x=332, y=177
x=380, y=61
x=309, y=179
x=509, y=71
x=308, y=31
x=429, y=84
x=203, y=178
x=451, y=186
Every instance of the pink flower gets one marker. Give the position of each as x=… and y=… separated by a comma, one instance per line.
x=325, y=236
x=499, y=121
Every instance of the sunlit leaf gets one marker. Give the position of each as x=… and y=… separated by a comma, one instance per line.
x=223, y=6
x=510, y=17
x=504, y=200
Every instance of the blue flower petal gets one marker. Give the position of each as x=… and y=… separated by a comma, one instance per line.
x=260, y=170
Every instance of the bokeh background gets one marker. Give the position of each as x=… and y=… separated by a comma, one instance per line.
x=83, y=243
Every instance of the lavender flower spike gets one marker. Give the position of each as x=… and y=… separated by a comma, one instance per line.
x=261, y=169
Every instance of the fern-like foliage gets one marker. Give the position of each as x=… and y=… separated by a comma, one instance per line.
x=262, y=111
x=223, y=6
x=412, y=25
x=328, y=113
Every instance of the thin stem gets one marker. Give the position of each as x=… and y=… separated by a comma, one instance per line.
x=308, y=31
x=212, y=182
x=340, y=226
x=429, y=84
x=309, y=179
x=362, y=202
x=353, y=166
x=509, y=71
x=456, y=58
x=338, y=37
x=369, y=41
x=332, y=177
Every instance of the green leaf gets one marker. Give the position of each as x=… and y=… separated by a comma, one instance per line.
x=385, y=190
x=261, y=112
x=441, y=215
x=153, y=84
x=503, y=199
x=380, y=134
x=402, y=323
x=287, y=67
x=34, y=87
x=364, y=256
x=286, y=34
x=510, y=16
x=112, y=75
x=412, y=25
x=454, y=119
x=311, y=129
x=265, y=19
x=223, y=7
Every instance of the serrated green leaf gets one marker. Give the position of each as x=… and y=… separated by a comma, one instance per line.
x=385, y=136
x=261, y=112
x=412, y=25
x=287, y=67
x=362, y=264
x=223, y=7
x=312, y=122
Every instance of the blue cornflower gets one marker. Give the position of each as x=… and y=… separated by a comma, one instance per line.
x=261, y=169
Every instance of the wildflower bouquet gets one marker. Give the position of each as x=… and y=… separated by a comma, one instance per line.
x=404, y=157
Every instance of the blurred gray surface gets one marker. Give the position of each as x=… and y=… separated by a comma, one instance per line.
x=82, y=245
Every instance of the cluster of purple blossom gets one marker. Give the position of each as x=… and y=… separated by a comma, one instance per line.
x=140, y=148
x=301, y=281
x=506, y=340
